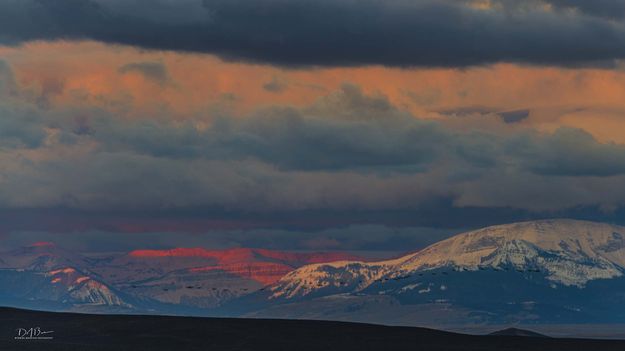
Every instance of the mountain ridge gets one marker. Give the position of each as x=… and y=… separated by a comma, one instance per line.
x=548, y=271
x=518, y=245
x=143, y=279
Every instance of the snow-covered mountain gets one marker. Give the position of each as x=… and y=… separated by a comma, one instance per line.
x=199, y=277
x=569, y=252
x=59, y=278
x=549, y=269
x=41, y=256
x=174, y=281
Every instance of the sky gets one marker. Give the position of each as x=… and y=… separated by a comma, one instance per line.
x=306, y=125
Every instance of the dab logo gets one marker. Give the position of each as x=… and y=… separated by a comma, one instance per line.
x=35, y=333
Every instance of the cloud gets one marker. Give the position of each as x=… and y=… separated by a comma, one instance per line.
x=354, y=237
x=20, y=127
x=154, y=71
x=568, y=152
x=610, y=9
x=7, y=79
x=349, y=152
x=350, y=131
x=347, y=130
x=275, y=85
x=514, y=116
x=334, y=33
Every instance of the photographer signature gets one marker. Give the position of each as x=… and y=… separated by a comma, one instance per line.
x=33, y=334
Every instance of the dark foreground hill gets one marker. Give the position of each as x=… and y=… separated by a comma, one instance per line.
x=135, y=332
x=518, y=332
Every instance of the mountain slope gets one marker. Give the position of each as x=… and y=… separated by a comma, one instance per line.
x=199, y=277
x=180, y=280
x=56, y=277
x=518, y=332
x=569, y=252
x=551, y=270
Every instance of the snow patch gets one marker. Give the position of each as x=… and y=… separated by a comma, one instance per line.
x=81, y=279
x=64, y=270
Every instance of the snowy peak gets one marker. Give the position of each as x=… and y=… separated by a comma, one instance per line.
x=571, y=252
x=93, y=292
x=79, y=288
x=574, y=239
x=567, y=252
x=335, y=277
x=570, y=237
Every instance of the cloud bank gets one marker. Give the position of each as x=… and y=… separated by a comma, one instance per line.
x=348, y=151
x=450, y=33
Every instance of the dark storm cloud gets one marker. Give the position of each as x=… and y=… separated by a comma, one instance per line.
x=353, y=237
x=330, y=32
x=568, y=152
x=399, y=231
x=348, y=130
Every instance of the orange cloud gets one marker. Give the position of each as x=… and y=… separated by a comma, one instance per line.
x=88, y=73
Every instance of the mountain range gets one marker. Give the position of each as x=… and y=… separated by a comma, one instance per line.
x=548, y=271
x=182, y=280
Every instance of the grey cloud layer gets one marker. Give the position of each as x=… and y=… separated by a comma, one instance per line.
x=331, y=32
x=348, y=151
x=356, y=237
